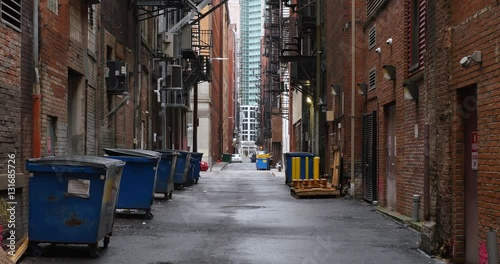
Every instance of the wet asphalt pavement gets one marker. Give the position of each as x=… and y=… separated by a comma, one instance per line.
x=240, y=215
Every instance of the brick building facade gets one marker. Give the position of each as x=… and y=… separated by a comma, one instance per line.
x=439, y=142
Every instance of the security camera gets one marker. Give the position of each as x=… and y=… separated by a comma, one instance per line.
x=466, y=61
x=378, y=50
x=389, y=41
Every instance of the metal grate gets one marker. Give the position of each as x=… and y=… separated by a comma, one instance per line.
x=372, y=37
x=11, y=13
x=369, y=157
x=372, y=79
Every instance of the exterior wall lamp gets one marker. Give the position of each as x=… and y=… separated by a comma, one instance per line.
x=410, y=90
x=335, y=89
x=389, y=72
x=362, y=89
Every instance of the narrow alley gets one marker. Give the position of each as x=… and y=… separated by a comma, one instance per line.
x=240, y=215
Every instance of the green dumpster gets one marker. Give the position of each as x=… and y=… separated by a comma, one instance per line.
x=226, y=157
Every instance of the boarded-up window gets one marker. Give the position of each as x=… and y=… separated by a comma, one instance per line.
x=416, y=33
x=75, y=20
x=11, y=13
x=92, y=36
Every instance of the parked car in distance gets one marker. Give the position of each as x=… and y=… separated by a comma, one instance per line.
x=236, y=158
x=203, y=165
x=253, y=157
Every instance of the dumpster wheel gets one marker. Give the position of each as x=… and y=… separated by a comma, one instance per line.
x=106, y=241
x=170, y=195
x=196, y=181
x=35, y=249
x=94, y=250
x=148, y=215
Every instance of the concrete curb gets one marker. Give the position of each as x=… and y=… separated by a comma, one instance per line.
x=405, y=220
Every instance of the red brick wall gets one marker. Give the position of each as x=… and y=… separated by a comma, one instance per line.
x=475, y=27
x=338, y=67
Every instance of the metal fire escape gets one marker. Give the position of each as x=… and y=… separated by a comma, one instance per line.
x=182, y=52
x=297, y=47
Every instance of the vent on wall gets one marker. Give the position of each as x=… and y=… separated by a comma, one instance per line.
x=11, y=13
x=372, y=37
x=372, y=79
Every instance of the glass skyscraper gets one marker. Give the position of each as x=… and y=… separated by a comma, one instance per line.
x=250, y=34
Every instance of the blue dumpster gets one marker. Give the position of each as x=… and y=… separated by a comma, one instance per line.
x=72, y=200
x=181, y=169
x=302, y=156
x=196, y=158
x=262, y=163
x=166, y=172
x=138, y=179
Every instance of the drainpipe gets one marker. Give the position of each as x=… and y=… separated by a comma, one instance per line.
x=318, y=78
x=137, y=77
x=353, y=91
x=37, y=104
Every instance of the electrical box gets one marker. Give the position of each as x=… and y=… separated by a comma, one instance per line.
x=170, y=44
x=116, y=74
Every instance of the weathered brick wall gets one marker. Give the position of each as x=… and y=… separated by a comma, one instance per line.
x=439, y=117
x=10, y=133
x=27, y=72
x=54, y=39
x=475, y=26
x=338, y=56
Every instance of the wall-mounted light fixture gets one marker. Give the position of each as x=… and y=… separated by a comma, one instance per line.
x=410, y=90
x=309, y=100
x=362, y=88
x=389, y=41
x=389, y=72
x=467, y=61
x=335, y=89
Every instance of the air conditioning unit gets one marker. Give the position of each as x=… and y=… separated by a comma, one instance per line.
x=170, y=44
x=173, y=78
x=116, y=74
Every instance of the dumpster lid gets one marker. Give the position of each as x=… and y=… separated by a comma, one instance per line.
x=88, y=161
x=167, y=152
x=196, y=154
x=299, y=154
x=132, y=152
x=172, y=150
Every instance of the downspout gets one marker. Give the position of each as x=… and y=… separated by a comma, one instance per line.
x=137, y=76
x=353, y=91
x=36, y=96
x=318, y=79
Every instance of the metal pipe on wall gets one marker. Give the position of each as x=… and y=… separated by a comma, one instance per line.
x=318, y=78
x=353, y=91
x=36, y=96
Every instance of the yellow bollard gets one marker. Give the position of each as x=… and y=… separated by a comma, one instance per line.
x=316, y=167
x=294, y=168
x=307, y=169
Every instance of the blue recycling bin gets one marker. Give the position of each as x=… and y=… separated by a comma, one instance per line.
x=138, y=179
x=302, y=156
x=72, y=200
x=166, y=172
x=262, y=163
x=196, y=158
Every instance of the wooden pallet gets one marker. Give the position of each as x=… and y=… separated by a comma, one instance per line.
x=315, y=193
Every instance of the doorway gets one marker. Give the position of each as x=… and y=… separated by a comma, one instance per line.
x=468, y=105
x=391, y=158
x=75, y=116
